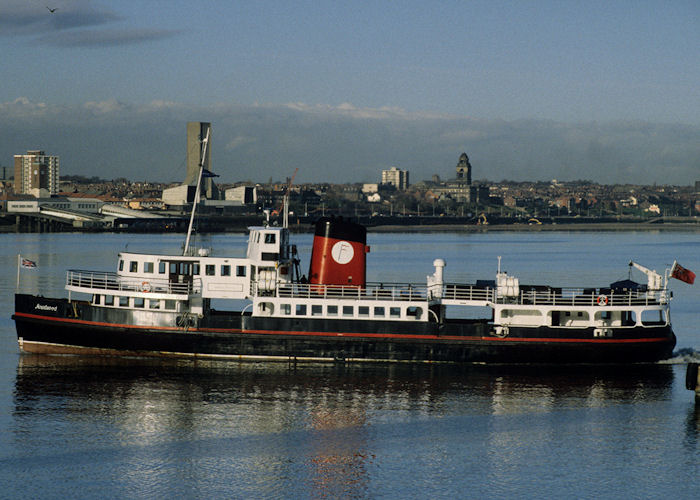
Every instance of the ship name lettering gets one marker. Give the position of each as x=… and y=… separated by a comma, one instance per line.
x=44, y=307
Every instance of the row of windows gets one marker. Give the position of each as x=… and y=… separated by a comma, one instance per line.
x=270, y=238
x=560, y=318
x=184, y=268
x=225, y=270
x=137, y=302
x=348, y=311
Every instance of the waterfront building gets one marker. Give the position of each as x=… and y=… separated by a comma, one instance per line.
x=67, y=203
x=244, y=195
x=36, y=174
x=395, y=177
x=370, y=188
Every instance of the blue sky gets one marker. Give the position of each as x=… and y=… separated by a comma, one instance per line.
x=463, y=75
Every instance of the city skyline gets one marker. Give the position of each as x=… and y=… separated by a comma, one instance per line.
x=529, y=91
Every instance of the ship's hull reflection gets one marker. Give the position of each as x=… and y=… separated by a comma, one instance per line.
x=311, y=429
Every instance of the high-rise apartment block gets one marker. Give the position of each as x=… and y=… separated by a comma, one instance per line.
x=395, y=177
x=36, y=174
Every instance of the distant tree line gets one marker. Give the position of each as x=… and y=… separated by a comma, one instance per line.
x=81, y=179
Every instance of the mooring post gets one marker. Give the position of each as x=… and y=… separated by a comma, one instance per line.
x=692, y=380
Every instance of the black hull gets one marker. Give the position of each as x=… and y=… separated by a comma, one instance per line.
x=57, y=326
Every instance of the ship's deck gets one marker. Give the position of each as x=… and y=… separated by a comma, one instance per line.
x=446, y=294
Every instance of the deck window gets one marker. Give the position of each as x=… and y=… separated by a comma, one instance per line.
x=133, y=267
x=332, y=310
x=109, y=300
x=559, y=318
x=629, y=318
x=121, y=265
x=139, y=302
x=266, y=308
x=286, y=309
x=96, y=299
x=270, y=238
x=210, y=270
x=363, y=311
x=225, y=270
x=196, y=269
x=123, y=301
x=653, y=318
x=301, y=310
x=161, y=267
x=153, y=304
x=170, y=305
x=395, y=312
x=316, y=310
x=379, y=312
x=348, y=311
x=414, y=312
x=148, y=267
x=240, y=270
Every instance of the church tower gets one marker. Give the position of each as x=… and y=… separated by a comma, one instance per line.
x=464, y=169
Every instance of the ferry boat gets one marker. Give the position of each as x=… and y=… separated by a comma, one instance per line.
x=161, y=305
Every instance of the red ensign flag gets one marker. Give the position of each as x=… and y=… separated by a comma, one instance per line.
x=681, y=273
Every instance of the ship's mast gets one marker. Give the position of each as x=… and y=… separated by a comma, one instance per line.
x=205, y=143
x=285, y=217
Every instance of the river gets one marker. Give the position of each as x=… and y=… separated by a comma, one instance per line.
x=123, y=428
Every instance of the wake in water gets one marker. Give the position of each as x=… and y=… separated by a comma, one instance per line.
x=683, y=356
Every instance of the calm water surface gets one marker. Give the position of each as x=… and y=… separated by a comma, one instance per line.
x=123, y=428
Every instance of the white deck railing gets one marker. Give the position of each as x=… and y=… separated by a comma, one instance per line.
x=588, y=297
x=455, y=292
x=371, y=291
x=90, y=281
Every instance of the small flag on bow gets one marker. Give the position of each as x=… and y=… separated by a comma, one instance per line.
x=29, y=264
x=681, y=273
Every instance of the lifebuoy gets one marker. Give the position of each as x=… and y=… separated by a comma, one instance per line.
x=145, y=287
x=602, y=300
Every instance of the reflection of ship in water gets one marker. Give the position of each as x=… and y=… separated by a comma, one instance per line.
x=331, y=418
x=322, y=387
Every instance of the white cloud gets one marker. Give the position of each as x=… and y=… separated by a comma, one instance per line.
x=347, y=109
x=239, y=141
x=108, y=106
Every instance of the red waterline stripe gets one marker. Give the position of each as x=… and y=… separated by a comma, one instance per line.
x=344, y=334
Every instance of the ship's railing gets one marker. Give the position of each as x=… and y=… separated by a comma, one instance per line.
x=371, y=291
x=528, y=295
x=585, y=297
x=462, y=292
x=91, y=280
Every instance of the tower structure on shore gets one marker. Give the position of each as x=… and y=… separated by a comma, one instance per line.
x=197, y=154
x=36, y=173
x=464, y=169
